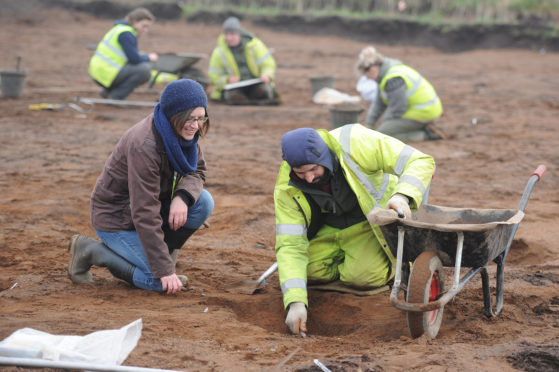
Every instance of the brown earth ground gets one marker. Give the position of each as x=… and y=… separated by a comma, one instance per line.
x=51, y=159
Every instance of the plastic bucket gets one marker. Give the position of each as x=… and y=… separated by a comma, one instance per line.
x=344, y=115
x=319, y=82
x=12, y=82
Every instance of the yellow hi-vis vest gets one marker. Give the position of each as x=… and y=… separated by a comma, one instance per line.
x=222, y=63
x=109, y=56
x=423, y=103
x=376, y=167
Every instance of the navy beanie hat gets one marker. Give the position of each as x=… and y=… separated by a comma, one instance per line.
x=305, y=146
x=181, y=95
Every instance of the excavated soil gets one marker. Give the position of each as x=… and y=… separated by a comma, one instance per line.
x=501, y=109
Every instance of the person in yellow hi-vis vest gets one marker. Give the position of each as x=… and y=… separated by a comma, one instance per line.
x=408, y=101
x=240, y=57
x=327, y=185
x=117, y=64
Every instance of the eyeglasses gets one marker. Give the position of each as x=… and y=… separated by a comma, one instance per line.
x=200, y=120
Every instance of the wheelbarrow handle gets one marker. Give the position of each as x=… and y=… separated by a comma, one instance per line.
x=540, y=170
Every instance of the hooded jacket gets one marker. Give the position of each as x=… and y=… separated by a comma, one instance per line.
x=375, y=166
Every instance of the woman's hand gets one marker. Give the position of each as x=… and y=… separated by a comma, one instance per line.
x=171, y=283
x=178, y=213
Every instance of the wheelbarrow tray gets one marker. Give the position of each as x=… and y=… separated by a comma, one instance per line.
x=434, y=228
x=176, y=62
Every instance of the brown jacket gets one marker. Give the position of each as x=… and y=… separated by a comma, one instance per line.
x=136, y=178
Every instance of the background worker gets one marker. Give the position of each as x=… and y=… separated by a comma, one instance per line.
x=150, y=197
x=117, y=65
x=238, y=56
x=408, y=101
x=326, y=186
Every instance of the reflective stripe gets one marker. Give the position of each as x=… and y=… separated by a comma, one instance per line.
x=291, y=229
x=412, y=180
x=345, y=138
x=107, y=60
x=427, y=104
x=115, y=50
x=293, y=283
x=224, y=61
x=415, y=86
x=262, y=59
x=383, y=186
x=403, y=159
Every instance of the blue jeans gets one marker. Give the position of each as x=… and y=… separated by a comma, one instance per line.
x=127, y=243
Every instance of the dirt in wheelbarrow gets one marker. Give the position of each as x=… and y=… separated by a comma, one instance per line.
x=501, y=110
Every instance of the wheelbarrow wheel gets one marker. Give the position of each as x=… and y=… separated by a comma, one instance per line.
x=425, y=285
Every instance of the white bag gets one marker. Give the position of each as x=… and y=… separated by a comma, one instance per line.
x=101, y=347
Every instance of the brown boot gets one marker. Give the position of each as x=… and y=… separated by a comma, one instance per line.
x=433, y=133
x=79, y=266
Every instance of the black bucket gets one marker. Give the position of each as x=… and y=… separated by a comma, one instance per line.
x=12, y=82
x=319, y=82
x=344, y=115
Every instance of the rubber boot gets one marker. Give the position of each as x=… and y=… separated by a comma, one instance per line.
x=174, y=256
x=87, y=252
x=175, y=239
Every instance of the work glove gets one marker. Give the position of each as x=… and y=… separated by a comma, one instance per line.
x=400, y=203
x=296, y=318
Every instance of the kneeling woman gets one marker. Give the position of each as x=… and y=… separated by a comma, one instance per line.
x=150, y=199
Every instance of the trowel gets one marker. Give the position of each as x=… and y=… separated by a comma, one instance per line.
x=250, y=286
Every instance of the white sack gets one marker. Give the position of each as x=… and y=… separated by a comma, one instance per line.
x=102, y=347
x=330, y=96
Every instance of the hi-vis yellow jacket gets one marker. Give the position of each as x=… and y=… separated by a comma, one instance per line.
x=222, y=63
x=109, y=56
x=376, y=167
x=423, y=103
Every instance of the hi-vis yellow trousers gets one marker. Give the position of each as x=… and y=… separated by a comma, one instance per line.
x=352, y=255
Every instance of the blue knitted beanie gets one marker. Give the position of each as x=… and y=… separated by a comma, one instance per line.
x=181, y=95
x=305, y=146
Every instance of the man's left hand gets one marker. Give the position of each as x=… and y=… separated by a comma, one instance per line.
x=400, y=203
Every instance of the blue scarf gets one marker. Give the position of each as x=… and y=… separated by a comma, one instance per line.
x=182, y=154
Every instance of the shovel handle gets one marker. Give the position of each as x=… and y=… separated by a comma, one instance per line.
x=267, y=273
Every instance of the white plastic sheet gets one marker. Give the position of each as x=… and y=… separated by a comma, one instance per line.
x=331, y=96
x=101, y=347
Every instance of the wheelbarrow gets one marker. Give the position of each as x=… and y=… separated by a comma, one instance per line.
x=179, y=64
x=450, y=237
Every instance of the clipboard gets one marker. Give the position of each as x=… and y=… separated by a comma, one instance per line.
x=242, y=84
